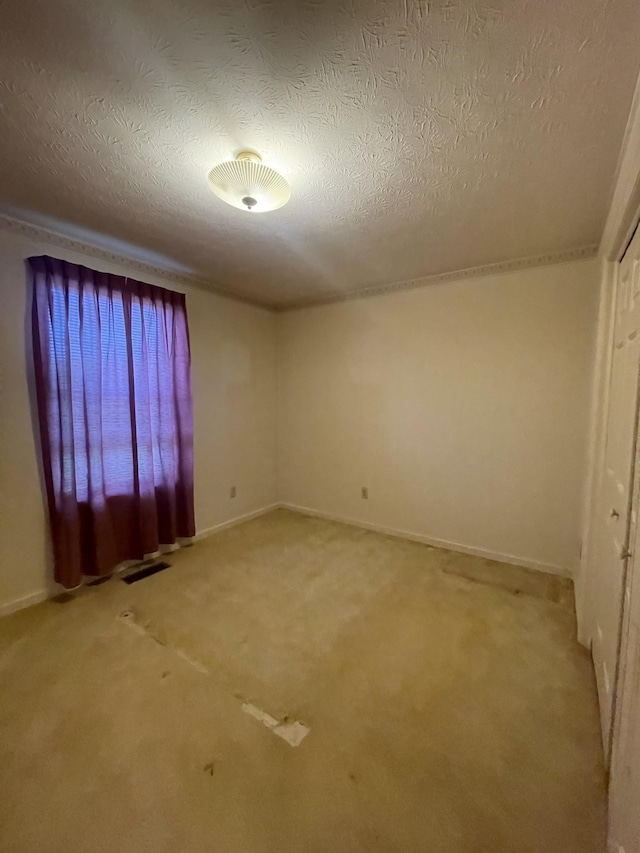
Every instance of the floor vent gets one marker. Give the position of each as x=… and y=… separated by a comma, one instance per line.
x=145, y=572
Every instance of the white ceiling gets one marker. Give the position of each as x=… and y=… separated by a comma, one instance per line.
x=419, y=136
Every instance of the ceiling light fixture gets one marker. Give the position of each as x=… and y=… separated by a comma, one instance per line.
x=246, y=183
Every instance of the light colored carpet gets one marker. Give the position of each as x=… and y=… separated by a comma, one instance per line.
x=450, y=707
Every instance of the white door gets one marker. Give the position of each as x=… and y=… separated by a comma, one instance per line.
x=624, y=800
x=614, y=506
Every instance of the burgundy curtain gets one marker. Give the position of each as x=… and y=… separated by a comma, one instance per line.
x=113, y=384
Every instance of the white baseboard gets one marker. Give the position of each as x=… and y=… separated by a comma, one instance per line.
x=23, y=601
x=40, y=595
x=239, y=519
x=43, y=594
x=514, y=560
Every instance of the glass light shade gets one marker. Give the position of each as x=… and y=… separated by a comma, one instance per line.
x=246, y=183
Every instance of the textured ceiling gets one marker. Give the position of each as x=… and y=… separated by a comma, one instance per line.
x=419, y=136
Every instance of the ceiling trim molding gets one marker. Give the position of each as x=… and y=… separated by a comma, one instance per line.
x=56, y=239
x=581, y=253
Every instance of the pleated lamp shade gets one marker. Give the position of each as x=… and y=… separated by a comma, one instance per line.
x=246, y=183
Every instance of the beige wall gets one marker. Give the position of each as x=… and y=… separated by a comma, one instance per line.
x=234, y=387
x=462, y=407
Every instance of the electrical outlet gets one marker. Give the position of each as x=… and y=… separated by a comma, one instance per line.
x=232, y=492
x=365, y=493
